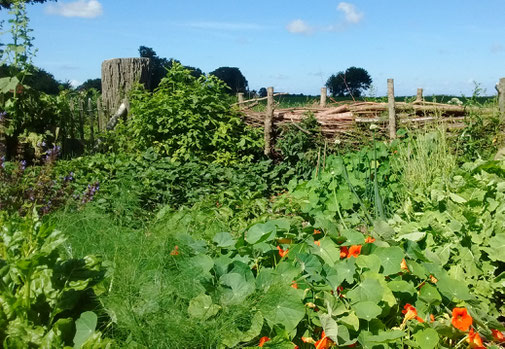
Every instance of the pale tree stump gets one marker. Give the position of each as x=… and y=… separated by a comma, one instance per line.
x=119, y=75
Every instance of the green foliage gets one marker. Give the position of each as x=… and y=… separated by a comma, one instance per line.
x=160, y=65
x=186, y=117
x=427, y=152
x=41, y=294
x=352, y=82
x=300, y=147
x=233, y=78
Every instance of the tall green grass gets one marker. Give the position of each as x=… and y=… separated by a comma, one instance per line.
x=423, y=157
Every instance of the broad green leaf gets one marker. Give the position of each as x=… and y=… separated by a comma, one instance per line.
x=497, y=248
x=224, y=240
x=328, y=251
x=309, y=263
x=430, y=295
x=391, y=259
x=353, y=237
x=330, y=326
x=371, y=262
x=367, y=310
x=282, y=307
x=201, y=307
x=427, y=338
x=451, y=289
x=260, y=232
x=457, y=199
x=346, y=269
x=402, y=287
x=85, y=326
x=415, y=236
x=367, y=290
x=351, y=321
x=240, y=288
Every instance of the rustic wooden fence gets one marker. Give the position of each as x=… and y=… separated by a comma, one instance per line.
x=345, y=119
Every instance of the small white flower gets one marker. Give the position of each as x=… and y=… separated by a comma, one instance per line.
x=373, y=127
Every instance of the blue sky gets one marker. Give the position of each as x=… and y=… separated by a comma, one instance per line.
x=442, y=46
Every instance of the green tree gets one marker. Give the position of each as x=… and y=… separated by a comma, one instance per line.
x=37, y=78
x=232, y=77
x=262, y=92
x=161, y=65
x=352, y=82
x=91, y=83
x=8, y=3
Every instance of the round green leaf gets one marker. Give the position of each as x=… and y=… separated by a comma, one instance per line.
x=391, y=259
x=201, y=307
x=427, y=339
x=367, y=310
x=85, y=326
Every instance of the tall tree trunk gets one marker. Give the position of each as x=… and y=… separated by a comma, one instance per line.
x=118, y=77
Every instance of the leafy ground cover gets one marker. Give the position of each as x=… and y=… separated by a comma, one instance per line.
x=392, y=245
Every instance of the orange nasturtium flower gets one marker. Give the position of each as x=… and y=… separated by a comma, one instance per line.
x=308, y=340
x=282, y=252
x=432, y=318
x=410, y=313
x=461, y=320
x=263, y=340
x=344, y=250
x=404, y=265
x=317, y=242
x=175, y=251
x=433, y=279
x=294, y=285
x=498, y=336
x=324, y=342
x=369, y=240
x=316, y=231
x=474, y=340
x=354, y=251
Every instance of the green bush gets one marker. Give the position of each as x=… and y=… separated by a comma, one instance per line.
x=187, y=116
x=45, y=300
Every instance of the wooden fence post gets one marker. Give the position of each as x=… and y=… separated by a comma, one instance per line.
x=324, y=92
x=99, y=114
x=81, y=119
x=268, y=120
x=419, y=97
x=240, y=96
x=91, y=124
x=501, y=98
x=391, y=107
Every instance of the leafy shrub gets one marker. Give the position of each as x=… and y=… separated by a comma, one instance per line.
x=187, y=116
x=45, y=300
x=23, y=187
x=300, y=148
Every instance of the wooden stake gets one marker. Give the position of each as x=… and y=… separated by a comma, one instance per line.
x=240, y=96
x=99, y=114
x=81, y=119
x=419, y=97
x=91, y=124
x=268, y=121
x=501, y=98
x=324, y=93
x=391, y=107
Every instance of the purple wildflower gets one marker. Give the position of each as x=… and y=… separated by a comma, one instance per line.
x=22, y=165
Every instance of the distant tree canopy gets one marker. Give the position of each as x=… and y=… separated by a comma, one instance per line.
x=8, y=3
x=38, y=79
x=352, y=82
x=91, y=83
x=233, y=78
x=262, y=92
x=160, y=66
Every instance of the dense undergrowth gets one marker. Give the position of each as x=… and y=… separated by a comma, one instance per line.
x=191, y=244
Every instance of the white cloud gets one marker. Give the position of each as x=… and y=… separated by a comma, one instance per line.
x=298, y=26
x=352, y=15
x=79, y=8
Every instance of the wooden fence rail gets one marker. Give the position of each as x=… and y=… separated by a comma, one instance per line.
x=342, y=119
